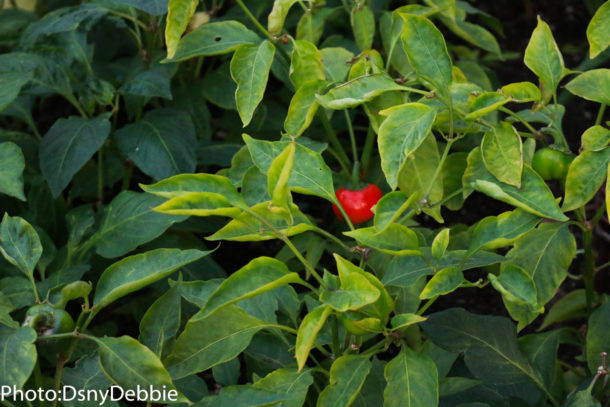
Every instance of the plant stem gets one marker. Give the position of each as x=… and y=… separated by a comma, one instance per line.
x=367, y=150
x=439, y=168
x=332, y=138
x=130, y=18
x=516, y=116
x=600, y=114
x=334, y=239
x=427, y=305
x=589, y=268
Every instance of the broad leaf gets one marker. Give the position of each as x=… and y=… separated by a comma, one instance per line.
x=357, y=91
x=250, y=68
x=67, y=147
x=400, y=134
x=597, y=31
x=443, y=282
x=289, y=382
x=542, y=56
x=412, y=380
x=275, y=20
x=493, y=232
x=534, y=196
x=258, y=276
x=130, y=364
x=354, y=292
x=363, y=25
x=598, y=337
x=592, y=85
x=153, y=7
x=160, y=144
x=179, y=14
x=310, y=175
x=427, y=51
x=303, y=107
x=87, y=374
x=136, y=272
x=10, y=86
x=595, y=138
x=305, y=64
x=396, y=239
x=308, y=330
x=154, y=82
x=489, y=344
x=161, y=321
x=214, y=39
x=404, y=271
x=20, y=244
x=586, y=175
x=209, y=341
x=128, y=222
x=18, y=355
x=389, y=208
x=12, y=164
x=347, y=375
x=502, y=154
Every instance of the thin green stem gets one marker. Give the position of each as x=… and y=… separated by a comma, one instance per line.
x=600, y=212
x=427, y=305
x=332, y=138
x=333, y=238
x=36, y=296
x=130, y=18
x=344, y=214
x=439, y=168
x=448, y=197
x=516, y=116
x=600, y=114
x=352, y=139
x=374, y=349
x=367, y=150
x=603, y=266
x=589, y=268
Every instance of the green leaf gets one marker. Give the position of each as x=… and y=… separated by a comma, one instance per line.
x=502, y=154
x=154, y=82
x=12, y=164
x=598, y=337
x=484, y=103
x=453, y=169
x=489, y=343
x=404, y=271
x=347, y=375
x=277, y=179
x=67, y=147
x=161, y=321
x=534, y=196
x=404, y=320
x=595, y=138
x=130, y=364
x=586, y=175
x=440, y=243
x=249, y=227
x=427, y=51
x=310, y=175
x=389, y=208
x=582, y=398
x=179, y=13
x=412, y=380
x=515, y=285
x=542, y=56
x=473, y=33
x=87, y=375
x=336, y=63
x=545, y=253
x=209, y=341
x=18, y=355
x=20, y=244
x=244, y=396
x=152, y=7
x=417, y=173
x=10, y=86
x=16, y=292
x=396, y=239
x=279, y=11
x=357, y=91
x=443, y=282
x=160, y=144
x=494, y=232
x=250, y=68
x=597, y=31
x=311, y=25
x=308, y=330
x=258, y=276
x=570, y=306
x=354, y=292
x=128, y=222
x=363, y=25
x=214, y=39
x=289, y=382
x=198, y=204
x=522, y=92
x=305, y=64
x=136, y=272
x=400, y=134
x=541, y=350
x=592, y=85
x=303, y=107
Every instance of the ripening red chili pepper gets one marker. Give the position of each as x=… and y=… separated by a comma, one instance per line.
x=357, y=203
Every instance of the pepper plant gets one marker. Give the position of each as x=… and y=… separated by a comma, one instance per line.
x=167, y=177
